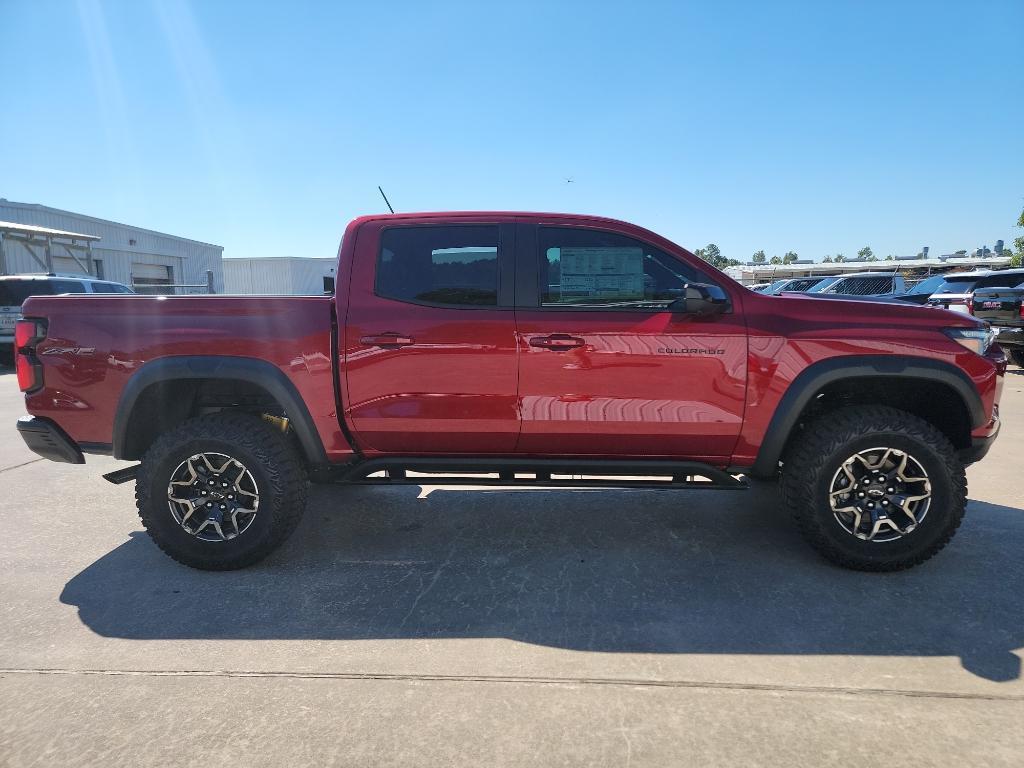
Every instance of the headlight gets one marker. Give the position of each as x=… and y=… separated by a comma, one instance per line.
x=975, y=339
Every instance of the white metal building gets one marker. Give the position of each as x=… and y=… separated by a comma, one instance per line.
x=765, y=273
x=288, y=275
x=148, y=260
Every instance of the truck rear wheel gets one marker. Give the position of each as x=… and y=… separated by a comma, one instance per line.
x=221, y=492
x=874, y=488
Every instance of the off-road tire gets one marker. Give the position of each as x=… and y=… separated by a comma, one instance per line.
x=266, y=452
x=817, y=454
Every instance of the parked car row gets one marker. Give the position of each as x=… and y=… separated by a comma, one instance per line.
x=996, y=296
x=15, y=289
x=854, y=284
x=952, y=291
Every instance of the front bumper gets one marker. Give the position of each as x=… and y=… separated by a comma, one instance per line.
x=980, y=444
x=48, y=440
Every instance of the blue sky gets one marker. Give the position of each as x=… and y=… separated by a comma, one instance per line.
x=817, y=127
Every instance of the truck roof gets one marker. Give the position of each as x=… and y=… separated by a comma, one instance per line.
x=499, y=215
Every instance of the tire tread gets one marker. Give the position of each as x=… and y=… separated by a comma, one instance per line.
x=807, y=458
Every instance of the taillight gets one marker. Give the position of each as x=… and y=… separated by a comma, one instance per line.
x=970, y=305
x=28, y=333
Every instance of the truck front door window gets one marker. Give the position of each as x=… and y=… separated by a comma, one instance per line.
x=591, y=268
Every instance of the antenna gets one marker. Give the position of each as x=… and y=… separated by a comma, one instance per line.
x=385, y=198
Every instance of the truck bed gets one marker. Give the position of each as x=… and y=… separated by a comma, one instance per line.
x=96, y=343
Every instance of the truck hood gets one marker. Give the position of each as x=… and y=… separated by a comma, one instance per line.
x=880, y=309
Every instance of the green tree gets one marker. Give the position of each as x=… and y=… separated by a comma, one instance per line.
x=776, y=260
x=712, y=254
x=789, y=258
x=840, y=258
x=1018, y=244
x=759, y=257
x=890, y=257
x=866, y=253
x=827, y=260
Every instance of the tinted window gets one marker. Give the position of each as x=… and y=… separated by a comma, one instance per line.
x=590, y=268
x=14, y=292
x=1001, y=280
x=926, y=286
x=861, y=286
x=802, y=284
x=110, y=288
x=963, y=284
x=824, y=283
x=67, y=286
x=440, y=265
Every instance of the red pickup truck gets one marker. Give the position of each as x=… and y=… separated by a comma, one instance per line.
x=516, y=349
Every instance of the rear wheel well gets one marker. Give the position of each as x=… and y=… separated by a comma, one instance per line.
x=164, y=405
x=933, y=401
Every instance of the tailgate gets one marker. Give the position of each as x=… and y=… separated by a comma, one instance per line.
x=998, y=306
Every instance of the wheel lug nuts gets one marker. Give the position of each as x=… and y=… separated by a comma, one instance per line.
x=209, y=503
x=222, y=506
x=885, y=502
x=861, y=494
x=890, y=490
x=871, y=505
x=204, y=493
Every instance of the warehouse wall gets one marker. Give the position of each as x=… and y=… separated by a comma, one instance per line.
x=187, y=259
x=277, y=275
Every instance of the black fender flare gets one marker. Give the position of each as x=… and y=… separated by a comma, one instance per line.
x=811, y=380
x=248, y=369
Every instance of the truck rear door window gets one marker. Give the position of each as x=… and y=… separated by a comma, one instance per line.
x=444, y=265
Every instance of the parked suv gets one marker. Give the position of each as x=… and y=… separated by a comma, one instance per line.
x=15, y=289
x=957, y=290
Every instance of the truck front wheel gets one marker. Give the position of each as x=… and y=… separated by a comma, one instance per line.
x=221, y=492
x=874, y=488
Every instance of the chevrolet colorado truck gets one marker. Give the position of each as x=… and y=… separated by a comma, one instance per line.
x=514, y=349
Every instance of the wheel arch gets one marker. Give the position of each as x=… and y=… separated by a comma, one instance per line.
x=135, y=429
x=885, y=370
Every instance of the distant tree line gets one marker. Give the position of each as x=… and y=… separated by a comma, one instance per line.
x=712, y=254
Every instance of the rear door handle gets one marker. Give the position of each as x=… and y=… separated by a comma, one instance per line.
x=386, y=340
x=557, y=342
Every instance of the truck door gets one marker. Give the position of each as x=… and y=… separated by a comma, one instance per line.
x=605, y=368
x=429, y=344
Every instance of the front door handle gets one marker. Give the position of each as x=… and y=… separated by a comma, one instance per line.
x=557, y=342
x=386, y=340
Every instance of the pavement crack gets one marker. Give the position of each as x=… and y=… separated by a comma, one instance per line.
x=525, y=680
x=23, y=464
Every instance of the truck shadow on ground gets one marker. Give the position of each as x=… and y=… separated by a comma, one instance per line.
x=650, y=572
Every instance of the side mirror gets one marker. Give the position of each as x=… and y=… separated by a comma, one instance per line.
x=701, y=300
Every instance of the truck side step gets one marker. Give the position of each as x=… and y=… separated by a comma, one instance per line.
x=543, y=473
x=125, y=475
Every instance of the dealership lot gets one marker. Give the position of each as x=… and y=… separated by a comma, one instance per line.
x=409, y=626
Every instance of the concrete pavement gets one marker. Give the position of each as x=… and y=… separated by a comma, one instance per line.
x=443, y=626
